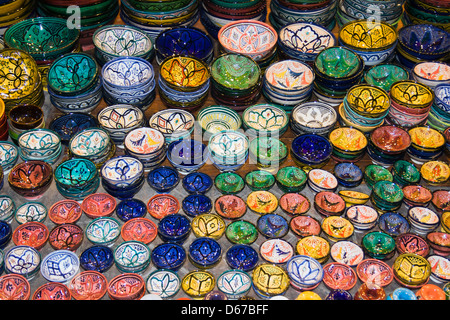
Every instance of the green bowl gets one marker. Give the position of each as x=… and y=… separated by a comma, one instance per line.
x=291, y=179
x=85, y=11
x=337, y=62
x=378, y=245
x=258, y=180
x=44, y=38
x=153, y=6
x=73, y=74
x=229, y=183
x=374, y=173
x=384, y=75
x=405, y=172
x=268, y=151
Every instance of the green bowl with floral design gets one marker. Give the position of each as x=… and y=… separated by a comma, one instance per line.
x=265, y=119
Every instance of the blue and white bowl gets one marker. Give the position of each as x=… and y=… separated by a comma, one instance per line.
x=9, y=154
x=132, y=256
x=23, y=260
x=187, y=155
x=174, y=124
x=60, y=266
x=122, y=171
x=304, y=272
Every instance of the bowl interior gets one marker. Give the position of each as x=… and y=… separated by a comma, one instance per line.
x=127, y=72
x=338, y=62
x=289, y=75
x=306, y=38
x=30, y=174
x=368, y=35
x=425, y=38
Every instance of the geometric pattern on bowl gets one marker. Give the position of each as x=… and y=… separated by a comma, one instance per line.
x=368, y=35
x=289, y=76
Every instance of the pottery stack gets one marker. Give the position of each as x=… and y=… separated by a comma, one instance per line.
x=388, y=144
x=319, y=12
x=388, y=11
x=155, y=17
x=14, y=11
x=439, y=115
x=214, y=14
x=427, y=12
x=427, y=144
x=93, y=14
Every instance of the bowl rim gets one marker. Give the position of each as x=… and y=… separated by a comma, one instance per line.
x=41, y=20
x=146, y=247
x=391, y=126
x=442, y=63
x=319, y=137
x=413, y=218
x=231, y=24
x=42, y=182
x=366, y=21
x=172, y=110
x=372, y=87
x=386, y=64
x=93, y=169
x=203, y=110
x=116, y=159
x=30, y=131
x=422, y=25
x=124, y=275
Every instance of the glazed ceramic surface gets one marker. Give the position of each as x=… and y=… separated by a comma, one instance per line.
x=235, y=71
x=184, y=72
x=60, y=266
x=164, y=283
x=289, y=75
x=347, y=252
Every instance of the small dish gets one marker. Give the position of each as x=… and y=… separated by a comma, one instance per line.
x=132, y=256
x=31, y=179
x=131, y=208
x=439, y=268
x=272, y=225
x=31, y=211
x=163, y=179
x=304, y=226
x=315, y=247
x=268, y=288
x=98, y=205
x=103, y=231
x=197, y=182
x=196, y=204
x=242, y=257
x=169, y=256
x=412, y=243
x=435, y=172
x=378, y=245
x=348, y=174
x=52, y=291
x=197, y=284
x=23, y=260
x=162, y=205
x=375, y=271
x=65, y=211
x=14, y=287
x=430, y=292
x=204, y=252
x=259, y=180
x=394, y=224
x=322, y=180
x=163, y=283
x=423, y=220
x=97, y=258
x=126, y=286
x=33, y=234
x=241, y=232
x=229, y=183
x=328, y=203
x=353, y=197
x=262, y=202
x=337, y=228
x=208, y=225
x=60, y=266
x=291, y=179
x=230, y=207
x=234, y=283
x=347, y=252
x=88, y=285
x=362, y=217
x=294, y=203
x=174, y=228
x=411, y=270
x=440, y=200
x=139, y=229
x=439, y=242
x=339, y=276
x=66, y=237
x=276, y=251
x=305, y=273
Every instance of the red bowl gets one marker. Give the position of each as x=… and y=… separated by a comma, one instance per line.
x=441, y=200
x=162, y=205
x=440, y=242
x=390, y=139
x=412, y=243
x=31, y=179
x=304, y=226
x=139, y=229
x=66, y=237
x=34, y=234
x=417, y=195
x=65, y=211
x=230, y=206
x=126, y=286
x=52, y=291
x=339, y=276
x=14, y=287
x=410, y=111
x=98, y=205
x=328, y=203
x=88, y=285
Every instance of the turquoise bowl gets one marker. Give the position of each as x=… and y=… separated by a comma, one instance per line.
x=73, y=74
x=44, y=38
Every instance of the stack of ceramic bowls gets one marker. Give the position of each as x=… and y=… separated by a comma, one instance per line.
x=388, y=144
x=265, y=119
x=228, y=150
x=147, y=145
x=217, y=118
x=436, y=14
x=214, y=14
x=174, y=124
x=93, y=14
x=303, y=41
x=384, y=75
x=386, y=196
x=256, y=39
x=311, y=151
x=349, y=144
x=62, y=40
x=183, y=82
x=313, y=117
x=318, y=12
x=366, y=106
x=439, y=115
x=186, y=41
x=129, y=80
x=15, y=11
x=187, y=155
x=235, y=81
x=421, y=42
x=288, y=83
x=375, y=42
x=268, y=153
x=119, y=119
x=389, y=11
x=153, y=18
x=122, y=177
x=39, y=144
x=24, y=84
x=93, y=144
x=336, y=70
x=114, y=41
x=409, y=110
x=73, y=83
x=427, y=144
x=76, y=178
x=431, y=73
x=22, y=117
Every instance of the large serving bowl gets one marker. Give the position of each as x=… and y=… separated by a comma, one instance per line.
x=375, y=42
x=255, y=39
x=31, y=179
x=114, y=41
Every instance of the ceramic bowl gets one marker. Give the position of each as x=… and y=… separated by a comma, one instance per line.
x=103, y=231
x=208, y=225
x=265, y=119
x=54, y=270
x=315, y=247
x=400, y=94
x=241, y=256
x=132, y=256
x=390, y=139
x=313, y=117
x=435, y=172
x=97, y=258
x=217, y=118
x=169, y=256
x=25, y=117
x=23, y=260
x=439, y=242
x=228, y=149
x=33, y=234
x=126, y=286
x=348, y=140
x=328, y=203
x=258, y=180
x=91, y=143
x=9, y=153
x=431, y=73
x=311, y=150
x=156, y=283
x=362, y=217
x=386, y=196
x=174, y=124
x=340, y=63
x=7, y=208
x=229, y=183
x=339, y=276
x=114, y=41
x=440, y=200
x=417, y=195
x=416, y=274
x=197, y=182
x=337, y=228
x=174, y=228
x=304, y=272
x=268, y=153
x=348, y=174
x=261, y=38
x=67, y=80
x=393, y=224
x=67, y=125
x=405, y=173
x=122, y=171
x=162, y=205
x=439, y=267
x=383, y=75
x=294, y=203
x=18, y=287
x=322, y=180
x=241, y=232
x=144, y=142
x=375, y=271
x=276, y=251
x=379, y=245
x=38, y=144
x=304, y=225
x=66, y=237
x=423, y=220
x=52, y=291
x=139, y=229
x=289, y=77
x=347, y=252
x=441, y=94
x=313, y=39
x=191, y=283
x=204, y=252
x=265, y=289
x=412, y=243
x=31, y=179
x=230, y=207
x=367, y=100
x=240, y=283
x=127, y=73
x=353, y=197
x=81, y=290
x=6, y=232
x=30, y=211
x=163, y=179
x=272, y=225
x=291, y=179
x=98, y=205
x=187, y=155
x=184, y=40
x=65, y=211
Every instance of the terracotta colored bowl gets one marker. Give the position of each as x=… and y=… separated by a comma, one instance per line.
x=88, y=285
x=410, y=111
x=440, y=242
x=31, y=179
x=126, y=286
x=230, y=207
x=139, y=229
x=65, y=211
x=34, y=234
x=328, y=203
x=66, y=237
x=98, y=205
x=441, y=200
x=417, y=195
x=14, y=287
x=390, y=139
x=162, y=205
x=52, y=291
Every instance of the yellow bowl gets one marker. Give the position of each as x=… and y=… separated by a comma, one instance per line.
x=348, y=139
x=368, y=100
x=353, y=197
x=426, y=138
x=435, y=172
x=337, y=228
x=19, y=13
x=411, y=94
x=347, y=122
x=185, y=73
x=368, y=35
x=411, y=270
x=315, y=247
x=11, y=7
